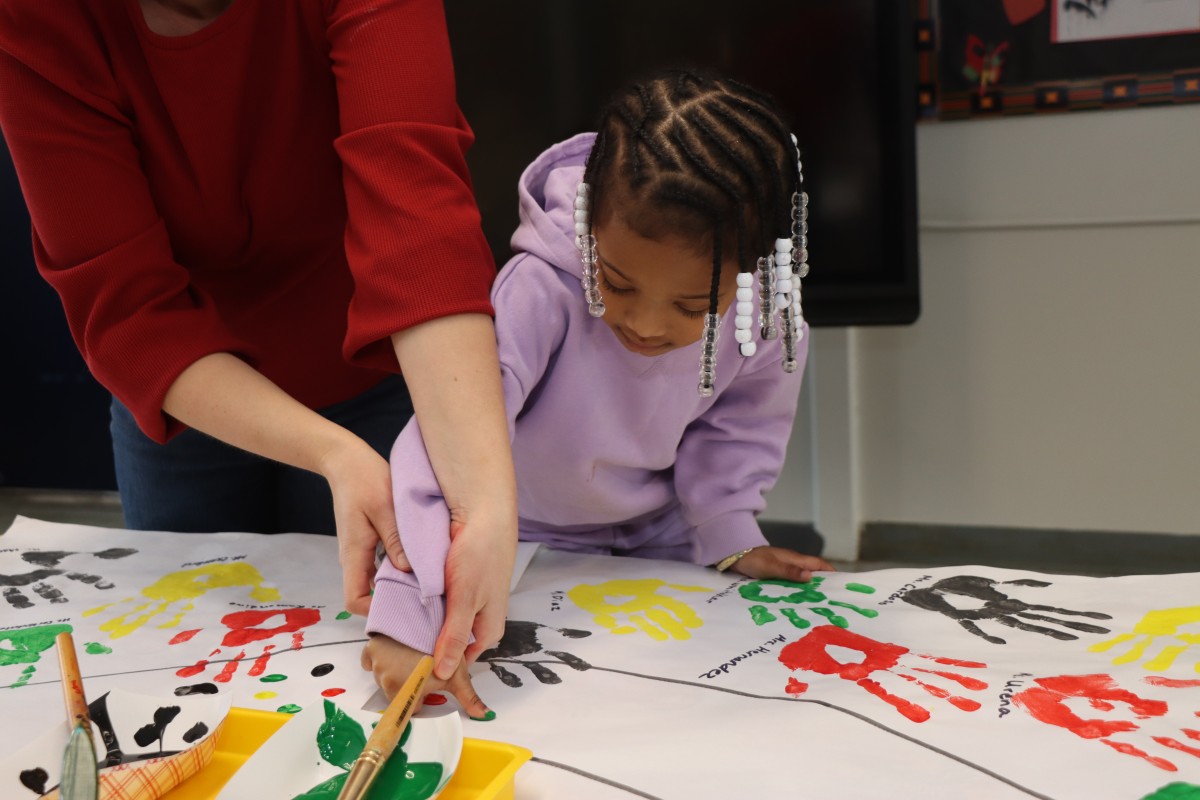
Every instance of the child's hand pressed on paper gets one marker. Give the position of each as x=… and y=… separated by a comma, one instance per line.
x=391, y=663
x=779, y=563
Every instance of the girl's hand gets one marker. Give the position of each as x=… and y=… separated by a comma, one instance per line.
x=779, y=563
x=391, y=663
x=478, y=572
x=362, y=509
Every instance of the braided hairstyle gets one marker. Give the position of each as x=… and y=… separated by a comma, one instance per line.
x=698, y=157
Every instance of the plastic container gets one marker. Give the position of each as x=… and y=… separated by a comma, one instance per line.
x=485, y=771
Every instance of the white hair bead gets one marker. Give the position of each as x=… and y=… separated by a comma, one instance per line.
x=748, y=348
x=745, y=308
x=745, y=280
x=742, y=335
x=581, y=215
x=581, y=229
x=782, y=246
x=784, y=285
x=742, y=323
x=782, y=301
x=745, y=295
x=783, y=258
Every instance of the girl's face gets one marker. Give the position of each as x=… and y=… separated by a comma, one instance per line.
x=656, y=291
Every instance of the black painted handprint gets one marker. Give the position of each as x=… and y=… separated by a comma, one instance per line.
x=42, y=581
x=997, y=607
x=521, y=639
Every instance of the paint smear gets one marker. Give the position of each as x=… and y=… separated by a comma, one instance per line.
x=332, y=692
x=343, y=615
x=290, y=708
x=321, y=670
x=196, y=688
x=274, y=678
x=435, y=699
x=96, y=649
x=265, y=695
x=184, y=636
x=860, y=587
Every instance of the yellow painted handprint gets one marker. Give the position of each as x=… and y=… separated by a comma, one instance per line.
x=659, y=616
x=1166, y=623
x=181, y=588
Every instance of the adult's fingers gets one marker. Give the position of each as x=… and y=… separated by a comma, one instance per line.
x=356, y=552
x=460, y=686
x=384, y=522
x=454, y=637
x=488, y=630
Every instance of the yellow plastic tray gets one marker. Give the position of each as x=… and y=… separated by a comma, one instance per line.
x=485, y=770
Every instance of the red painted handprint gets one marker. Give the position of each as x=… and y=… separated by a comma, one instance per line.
x=1050, y=701
x=245, y=627
x=812, y=654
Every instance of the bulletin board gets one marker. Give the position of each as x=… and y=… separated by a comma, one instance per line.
x=987, y=58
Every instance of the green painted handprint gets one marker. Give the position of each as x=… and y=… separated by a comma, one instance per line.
x=25, y=646
x=789, y=593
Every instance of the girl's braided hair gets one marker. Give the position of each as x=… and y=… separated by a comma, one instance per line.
x=697, y=157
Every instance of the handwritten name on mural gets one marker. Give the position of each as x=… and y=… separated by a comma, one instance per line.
x=277, y=605
x=730, y=590
x=556, y=599
x=1009, y=686
x=23, y=625
x=733, y=662
x=905, y=589
x=213, y=561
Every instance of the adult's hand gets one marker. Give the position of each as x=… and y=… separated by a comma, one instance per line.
x=361, y=485
x=225, y=397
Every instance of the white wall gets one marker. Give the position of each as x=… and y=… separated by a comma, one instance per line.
x=1053, y=379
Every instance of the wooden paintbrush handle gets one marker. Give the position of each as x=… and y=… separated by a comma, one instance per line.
x=72, y=681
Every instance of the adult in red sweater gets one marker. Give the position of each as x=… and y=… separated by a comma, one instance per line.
x=255, y=213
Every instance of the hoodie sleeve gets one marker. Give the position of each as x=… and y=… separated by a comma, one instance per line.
x=733, y=453
x=410, y=607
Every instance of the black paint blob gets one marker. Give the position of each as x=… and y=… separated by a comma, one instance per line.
x=35, y=779
x=321, y=670
x=196, y=688
x=195, y=732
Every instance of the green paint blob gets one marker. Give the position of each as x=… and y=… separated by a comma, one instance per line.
x=26, y=645
x=1176, y=791
x=488, y=717
x=276, y=678
x=340, y=739
x=97, y=649
x=794, y=617
x=869, y=613
x=290, y=708
x=760, y=615
x=832, y=616
x=344, y=615
x=860, y=587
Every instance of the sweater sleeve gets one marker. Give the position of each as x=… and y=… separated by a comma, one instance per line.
x=410, y=607
x=733, y=454
x=97, y=236
x=413, y=238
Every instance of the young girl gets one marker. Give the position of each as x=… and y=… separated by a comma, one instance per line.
x=646, y=420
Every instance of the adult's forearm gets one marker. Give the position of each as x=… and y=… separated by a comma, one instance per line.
x=226, y=398
x=453, y=375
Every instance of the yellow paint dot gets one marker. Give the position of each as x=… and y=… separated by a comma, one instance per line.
x=265, y=695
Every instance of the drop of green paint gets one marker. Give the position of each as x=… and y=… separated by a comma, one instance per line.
x=1176, y=791
x=290, y=708
x=860, y=587
x=344, y=615
x=276, y=678
x=97, y=649
x=340, y=738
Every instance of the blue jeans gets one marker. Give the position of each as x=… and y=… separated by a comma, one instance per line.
x=195, y=483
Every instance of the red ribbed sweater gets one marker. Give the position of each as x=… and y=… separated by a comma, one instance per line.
x=288, y=184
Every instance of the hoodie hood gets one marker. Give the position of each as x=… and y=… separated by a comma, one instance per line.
x=547, y=203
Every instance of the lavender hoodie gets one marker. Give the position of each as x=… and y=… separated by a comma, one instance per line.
x=615, y=452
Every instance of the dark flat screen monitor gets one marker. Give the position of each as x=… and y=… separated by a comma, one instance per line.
x=534, y=72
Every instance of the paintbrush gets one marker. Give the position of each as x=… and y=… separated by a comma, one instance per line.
x=80, y=777
x=387, y=734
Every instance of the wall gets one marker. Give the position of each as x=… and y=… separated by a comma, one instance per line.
x=1053, y=379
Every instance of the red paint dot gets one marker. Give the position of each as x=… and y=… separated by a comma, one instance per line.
x=184, y=636
x=332, y=692
x=795, y=687
x=435, y=699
